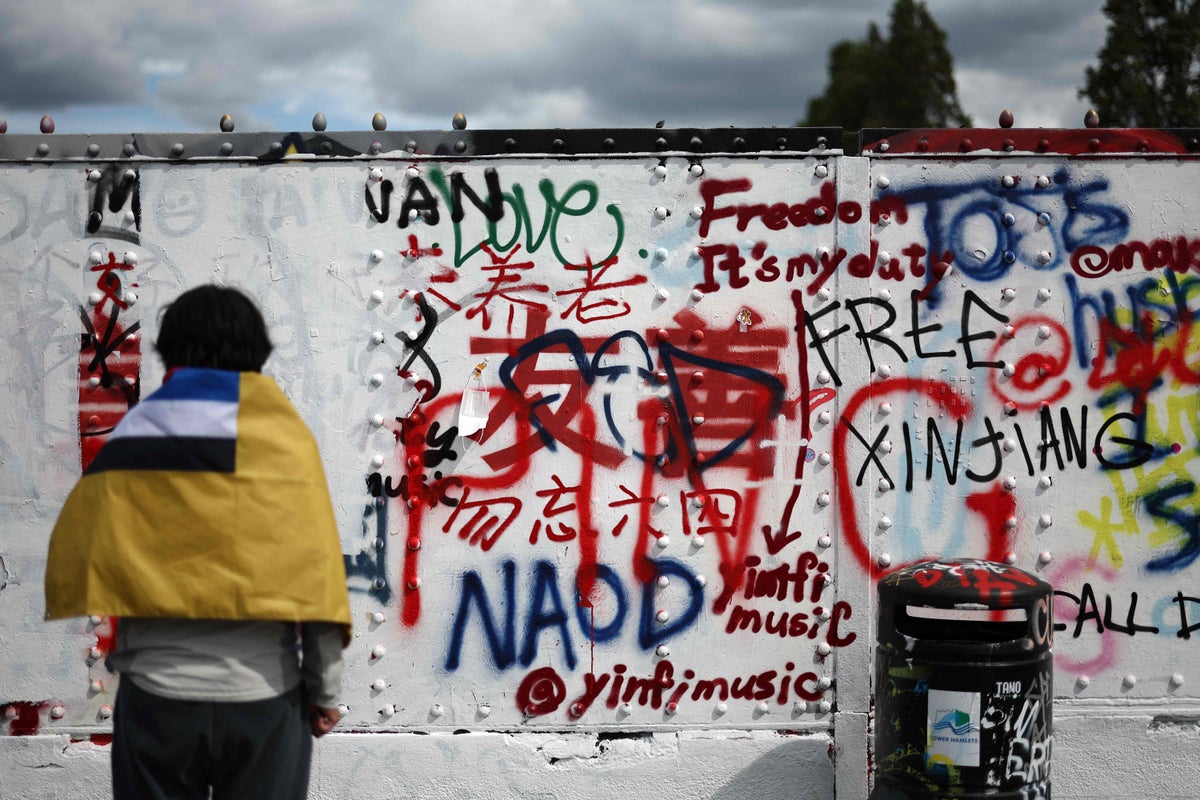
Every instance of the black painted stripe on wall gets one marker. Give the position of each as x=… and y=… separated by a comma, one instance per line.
x=179, y=453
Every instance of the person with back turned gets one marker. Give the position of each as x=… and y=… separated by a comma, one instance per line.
x=205, y=525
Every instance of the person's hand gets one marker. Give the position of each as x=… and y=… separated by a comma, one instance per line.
x=323, y=719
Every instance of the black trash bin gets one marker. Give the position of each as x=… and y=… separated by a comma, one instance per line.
x=963, y=683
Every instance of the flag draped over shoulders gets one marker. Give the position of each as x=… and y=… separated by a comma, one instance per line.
x=208, y=501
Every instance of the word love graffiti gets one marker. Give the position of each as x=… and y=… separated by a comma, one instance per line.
x=578, y=200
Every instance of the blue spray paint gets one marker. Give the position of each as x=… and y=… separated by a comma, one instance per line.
x=371, y=563
x=496, y=613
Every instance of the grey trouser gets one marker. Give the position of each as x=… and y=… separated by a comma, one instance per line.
x=165, y=749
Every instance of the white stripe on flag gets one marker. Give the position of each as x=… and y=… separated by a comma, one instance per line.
x=207, y=418
x=97, y=408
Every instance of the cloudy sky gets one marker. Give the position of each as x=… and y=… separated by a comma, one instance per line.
x=165, y=65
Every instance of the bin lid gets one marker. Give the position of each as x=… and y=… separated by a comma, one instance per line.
x=979, y=608
x=963, y=583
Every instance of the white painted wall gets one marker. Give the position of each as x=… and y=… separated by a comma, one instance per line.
x=642, y=356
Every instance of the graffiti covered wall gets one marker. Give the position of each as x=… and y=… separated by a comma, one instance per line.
x=619, y=443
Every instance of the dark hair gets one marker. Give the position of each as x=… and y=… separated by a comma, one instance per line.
x=215, y=327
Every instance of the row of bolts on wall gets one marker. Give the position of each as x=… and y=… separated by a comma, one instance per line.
x=379, y=123
x=319, y=123
x=625, y=709
x=58, y=710
x=1090, y=120
x=459, y=121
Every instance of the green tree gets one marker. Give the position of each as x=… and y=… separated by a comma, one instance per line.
x=903, y=81
x=1149, y=68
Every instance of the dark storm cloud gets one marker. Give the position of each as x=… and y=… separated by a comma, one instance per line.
x=1022, y=36
x=509, y=62
x=872, y=7
x=192, y=60
x=688, y=63
x=29, y=86
x=1027, y=55
x=238, y=56
x=48, y=65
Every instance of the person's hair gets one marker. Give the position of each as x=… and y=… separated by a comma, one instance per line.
x=215, y=327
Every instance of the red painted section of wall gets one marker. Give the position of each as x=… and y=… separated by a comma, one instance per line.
x=24, y=717
x=110, y=358
x=988, y=141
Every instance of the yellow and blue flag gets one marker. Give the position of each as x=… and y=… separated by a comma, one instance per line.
x=208, y=501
